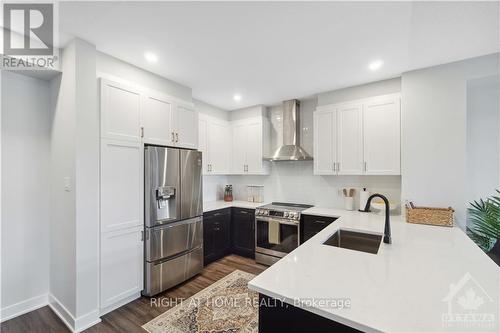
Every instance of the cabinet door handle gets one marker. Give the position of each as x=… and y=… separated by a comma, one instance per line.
x=334, y=166
x=319, y=222
x=338, y=166
x=176, y=137
x=173, y=137
x=365, y=166
x=142, y=132
x=142, y=235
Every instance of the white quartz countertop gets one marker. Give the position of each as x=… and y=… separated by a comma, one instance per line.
x=220, y=204
x=399, y=289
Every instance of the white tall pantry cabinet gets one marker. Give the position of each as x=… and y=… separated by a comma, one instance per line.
x=131, y=117
x=121, y=195
x=359, y=137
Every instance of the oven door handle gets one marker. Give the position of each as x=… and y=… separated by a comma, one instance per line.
x=266, y=219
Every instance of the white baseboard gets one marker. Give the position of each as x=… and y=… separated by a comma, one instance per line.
x=74, y=324
x=61, y=311
x=120, y=303
x=23, y=307
x=87, y=320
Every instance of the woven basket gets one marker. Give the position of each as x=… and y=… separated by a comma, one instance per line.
x=432, y=216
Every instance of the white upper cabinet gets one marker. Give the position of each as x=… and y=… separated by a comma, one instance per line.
x=239, y=148
x=325, y=142
x=249, y=140
x=358, y=138
x=254, y=152
x=382, y=135
x=168, y=122
x=135, y=114
x=236, y=147
x=214, y=144
x=186, y=132
x=120, y=111
x=350, y=139
x=218, y=152
x=157, y=121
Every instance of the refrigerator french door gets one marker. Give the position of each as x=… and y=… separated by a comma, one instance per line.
x=173, y=217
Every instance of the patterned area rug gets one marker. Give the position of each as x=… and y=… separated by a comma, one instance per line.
x=225, y=306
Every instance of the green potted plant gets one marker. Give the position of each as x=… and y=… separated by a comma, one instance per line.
x=484, y=225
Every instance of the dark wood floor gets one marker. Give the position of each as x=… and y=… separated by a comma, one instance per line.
x=131, y=317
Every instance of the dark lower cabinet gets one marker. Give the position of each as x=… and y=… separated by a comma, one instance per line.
x=228, y=230
x=243, y=232
x=216, y=234
x=276, y=316
x=310, y=225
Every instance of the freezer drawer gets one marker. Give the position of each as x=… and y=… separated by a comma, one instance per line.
x=164, y=275
x=174, y=238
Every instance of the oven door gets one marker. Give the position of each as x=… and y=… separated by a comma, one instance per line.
x=284, y=241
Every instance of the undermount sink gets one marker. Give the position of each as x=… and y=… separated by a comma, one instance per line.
x=353, y=240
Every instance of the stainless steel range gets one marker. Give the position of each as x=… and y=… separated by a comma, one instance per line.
x=277, y=231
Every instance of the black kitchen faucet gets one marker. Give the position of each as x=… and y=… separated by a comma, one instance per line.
x=387, y=228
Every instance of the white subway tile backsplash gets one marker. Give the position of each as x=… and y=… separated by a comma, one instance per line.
x=295, y=182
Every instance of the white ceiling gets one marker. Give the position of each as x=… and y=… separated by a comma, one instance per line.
x=268, y=52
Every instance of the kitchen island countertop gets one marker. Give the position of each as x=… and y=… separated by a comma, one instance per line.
x=402, y=288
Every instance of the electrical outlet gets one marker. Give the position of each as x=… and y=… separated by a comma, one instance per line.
x=67, y=184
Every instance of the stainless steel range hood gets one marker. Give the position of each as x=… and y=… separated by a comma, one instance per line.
x=291, y=150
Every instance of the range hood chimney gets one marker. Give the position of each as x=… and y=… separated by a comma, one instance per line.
x=291, y=150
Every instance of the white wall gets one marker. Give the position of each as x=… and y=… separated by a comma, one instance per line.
x=483, y=137
x=210, y=110
x=25, y=193
x=62, y=203
x=74, y=251
x=87, y=185
x=434, y=104
x=118, y=70
x=377, y=88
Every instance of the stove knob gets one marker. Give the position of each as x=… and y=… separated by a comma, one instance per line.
x=286, y=214
x=259, y=212
x=266, y=212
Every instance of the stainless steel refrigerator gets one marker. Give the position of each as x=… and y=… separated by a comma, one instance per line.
x=173, y=217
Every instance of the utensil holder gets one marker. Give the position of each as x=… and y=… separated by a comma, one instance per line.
x=349, y=203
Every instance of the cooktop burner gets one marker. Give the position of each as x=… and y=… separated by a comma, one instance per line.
x=285, y=206
x=282, y=209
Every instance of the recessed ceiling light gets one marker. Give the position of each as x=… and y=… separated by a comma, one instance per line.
x=375, y=65
x=151, y=57
x=237, y=97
